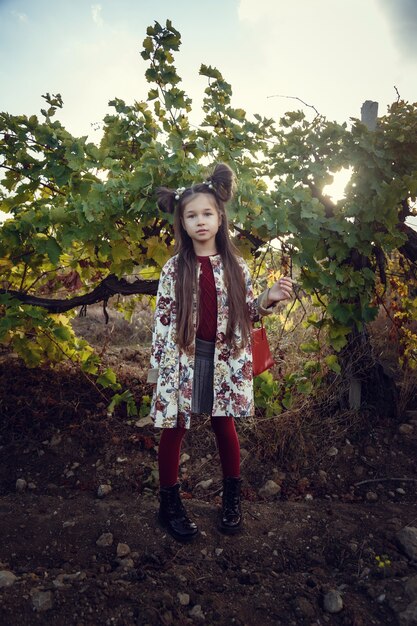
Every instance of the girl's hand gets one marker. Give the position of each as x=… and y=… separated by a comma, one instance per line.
x=281, y=290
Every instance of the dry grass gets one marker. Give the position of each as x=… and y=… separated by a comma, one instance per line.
x=296, y=437
x=118, y=331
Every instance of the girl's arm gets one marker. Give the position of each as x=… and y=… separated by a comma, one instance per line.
x=264, y=303
x=281, y=290
x=162, y=320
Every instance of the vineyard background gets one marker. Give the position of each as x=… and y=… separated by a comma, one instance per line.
x=336, y=423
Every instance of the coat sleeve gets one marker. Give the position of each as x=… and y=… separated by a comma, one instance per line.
x=165, y=302
x=257, y=306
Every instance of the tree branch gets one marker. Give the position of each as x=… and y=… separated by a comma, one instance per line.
x=295, y=98
x=25, y=175
x=409, y=248
x=256, y=241
x=107, y=288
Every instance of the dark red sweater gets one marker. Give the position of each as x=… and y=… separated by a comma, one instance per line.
x=207, y=311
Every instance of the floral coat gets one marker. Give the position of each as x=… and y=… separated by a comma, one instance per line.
x=172, y=369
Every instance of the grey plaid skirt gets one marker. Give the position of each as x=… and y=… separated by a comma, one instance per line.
x=202, y=400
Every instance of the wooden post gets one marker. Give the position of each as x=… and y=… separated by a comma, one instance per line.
x=369, y=116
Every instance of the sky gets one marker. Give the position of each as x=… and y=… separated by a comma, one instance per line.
x=332, y=54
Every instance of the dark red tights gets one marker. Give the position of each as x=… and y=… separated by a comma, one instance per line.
x=227, y=444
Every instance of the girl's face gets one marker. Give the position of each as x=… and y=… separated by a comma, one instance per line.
x=201, y=220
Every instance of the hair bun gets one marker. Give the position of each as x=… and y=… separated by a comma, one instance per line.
x=165, y=199
x=222, y=180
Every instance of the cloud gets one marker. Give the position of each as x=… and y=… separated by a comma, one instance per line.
x=248, y=11
x=22, y=17
x=96, y=14
x=402, y=18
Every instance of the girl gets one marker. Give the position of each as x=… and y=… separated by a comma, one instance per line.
x=201, y=356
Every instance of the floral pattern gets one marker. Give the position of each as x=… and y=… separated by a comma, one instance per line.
x=173, y=369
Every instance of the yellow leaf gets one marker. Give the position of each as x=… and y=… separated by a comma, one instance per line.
x=120, y=251
x=157, y=251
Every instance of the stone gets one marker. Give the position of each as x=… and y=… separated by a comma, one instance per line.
x=41, y=600
x=7, y=578
x=197, y=613
x=127, y=563
x=305, y=606
x=55, y=440
x=371, y=496
x=218, y=551
x=411, y=588
x=61, y=579
x=348, y=451
x=144, y=421
x=103, y=491
x=183, y=598
x=394, y=524
x=405, y=429
x=269, y=489
x=332, y=601
x=279, y=476
x=122, y=549
x=105, y=540
x=407, y=538
x=168, y=618
x=21, y=485
x=184, y=458
x=409, y=616
x=332, y=451
x=205, y=484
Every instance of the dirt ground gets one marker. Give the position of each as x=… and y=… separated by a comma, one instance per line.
x=322, y=533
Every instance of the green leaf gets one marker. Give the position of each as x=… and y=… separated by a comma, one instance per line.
x=62, y=333
x=53, y=250
x=108, y=379
x=305, y=387
x=140, y=179
x=311, y=346
x=333, y=363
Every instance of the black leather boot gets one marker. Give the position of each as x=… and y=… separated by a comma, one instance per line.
x=173, y=516
x=231, y=515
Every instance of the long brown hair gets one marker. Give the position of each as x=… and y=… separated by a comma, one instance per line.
x=220, y=186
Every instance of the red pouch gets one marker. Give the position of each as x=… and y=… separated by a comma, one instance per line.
x=261, y=355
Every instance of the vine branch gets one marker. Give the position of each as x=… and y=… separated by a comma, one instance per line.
x=107, y=288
